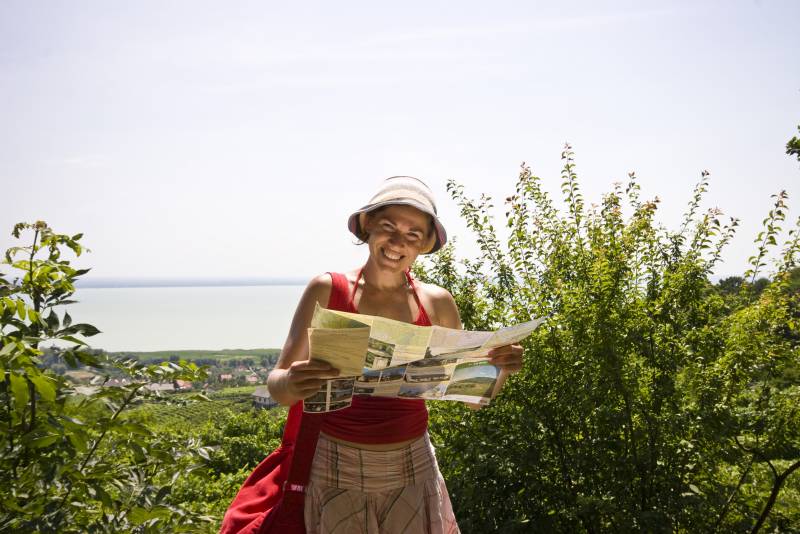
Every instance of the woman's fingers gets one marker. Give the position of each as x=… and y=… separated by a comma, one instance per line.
x=310, y=366
x=305, y=378
x=306, y=388
x=509, y=357
x=506, y=360
x=307, y=370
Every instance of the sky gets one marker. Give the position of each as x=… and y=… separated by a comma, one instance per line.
x=233, y=139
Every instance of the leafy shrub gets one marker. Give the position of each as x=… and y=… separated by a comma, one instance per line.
x=650, y=399
x=70, y=459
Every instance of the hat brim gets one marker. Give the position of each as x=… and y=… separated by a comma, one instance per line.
x=354, y=223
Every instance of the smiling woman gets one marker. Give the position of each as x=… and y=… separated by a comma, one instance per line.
x=402, y=191
x=371, y=467
x=392, y=228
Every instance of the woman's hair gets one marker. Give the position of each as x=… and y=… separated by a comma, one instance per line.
x=363, y=235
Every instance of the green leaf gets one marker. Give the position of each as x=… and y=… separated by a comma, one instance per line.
x=67, y=319
x=104, y=497
x=86, y=329
x=21, y=309
x=78, y=439
x=45, y=385
x=135, y=428
x=138, y=515
x=52, y=320
x=139, y=455
x=7, y=348
x=44, y=441
x=19, y=387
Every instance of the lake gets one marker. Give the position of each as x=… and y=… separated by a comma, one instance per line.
x=172, y=318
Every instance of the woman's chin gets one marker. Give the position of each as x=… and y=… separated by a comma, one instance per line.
x=388, y=264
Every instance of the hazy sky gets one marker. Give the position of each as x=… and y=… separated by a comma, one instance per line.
x=234, y=138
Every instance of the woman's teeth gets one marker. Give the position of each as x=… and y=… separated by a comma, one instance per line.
x=393, y=257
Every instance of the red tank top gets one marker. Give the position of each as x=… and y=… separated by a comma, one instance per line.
x=375, y=420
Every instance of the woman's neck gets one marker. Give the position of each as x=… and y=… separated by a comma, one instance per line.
x=381, y=279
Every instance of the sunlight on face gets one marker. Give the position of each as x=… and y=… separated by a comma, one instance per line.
x=397, y=235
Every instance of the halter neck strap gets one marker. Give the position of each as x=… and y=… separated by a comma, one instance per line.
x=409, y=280
x=351, y=300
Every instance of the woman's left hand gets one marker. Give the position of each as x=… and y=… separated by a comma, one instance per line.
x=507, y=357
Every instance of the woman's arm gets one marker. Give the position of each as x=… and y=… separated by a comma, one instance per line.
x=295, y=377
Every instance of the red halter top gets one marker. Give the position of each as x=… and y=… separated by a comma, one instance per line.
x=369, y=419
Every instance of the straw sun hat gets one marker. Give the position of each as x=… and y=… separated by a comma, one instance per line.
x=403, y=190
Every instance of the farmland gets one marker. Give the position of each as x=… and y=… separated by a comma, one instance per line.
x=189, y=412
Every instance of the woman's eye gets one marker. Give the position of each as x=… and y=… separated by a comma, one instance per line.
x=413, y=237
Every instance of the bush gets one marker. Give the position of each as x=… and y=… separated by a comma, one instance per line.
x=71, y=460
x=651, y=400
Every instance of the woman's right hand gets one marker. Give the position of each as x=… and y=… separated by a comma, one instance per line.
x=304, y=378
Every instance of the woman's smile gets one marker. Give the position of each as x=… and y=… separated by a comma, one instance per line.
x=391, y=255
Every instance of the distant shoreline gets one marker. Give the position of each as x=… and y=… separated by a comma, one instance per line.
x=112, y=283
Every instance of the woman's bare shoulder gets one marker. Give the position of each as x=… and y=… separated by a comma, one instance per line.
x=438, y=300
x=319, y=289
x=432, y=291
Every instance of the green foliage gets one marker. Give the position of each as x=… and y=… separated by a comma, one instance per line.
x=236, y=444
x=70, y=458
x=793, y=146
x=650, y=400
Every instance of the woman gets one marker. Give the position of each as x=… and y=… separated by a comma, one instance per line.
x=374, y=469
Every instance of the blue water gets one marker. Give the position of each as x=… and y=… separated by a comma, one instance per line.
x=172, y=318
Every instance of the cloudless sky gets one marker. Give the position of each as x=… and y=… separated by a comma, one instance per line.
x=234, y=138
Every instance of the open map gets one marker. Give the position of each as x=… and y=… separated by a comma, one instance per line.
x=386, y=358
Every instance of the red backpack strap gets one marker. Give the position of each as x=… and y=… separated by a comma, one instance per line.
x=340, y=293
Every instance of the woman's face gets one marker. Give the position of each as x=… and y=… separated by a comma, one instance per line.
x=397, y=235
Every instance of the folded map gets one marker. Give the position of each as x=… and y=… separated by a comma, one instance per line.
x=387, y=358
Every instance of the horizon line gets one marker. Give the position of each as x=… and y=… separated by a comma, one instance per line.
x=110, y=282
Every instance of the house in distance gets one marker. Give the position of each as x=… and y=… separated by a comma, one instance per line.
x=262, y=398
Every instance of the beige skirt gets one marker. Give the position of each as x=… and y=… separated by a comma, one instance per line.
x=353, y=490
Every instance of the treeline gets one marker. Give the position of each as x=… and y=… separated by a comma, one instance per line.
x=52, y=358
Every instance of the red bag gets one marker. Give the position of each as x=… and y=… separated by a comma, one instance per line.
x=272, y=499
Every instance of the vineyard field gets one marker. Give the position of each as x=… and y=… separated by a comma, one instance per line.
x=184, y=413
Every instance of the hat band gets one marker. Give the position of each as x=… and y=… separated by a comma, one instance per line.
x=403, y=196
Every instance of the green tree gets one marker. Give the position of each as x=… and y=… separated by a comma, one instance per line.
x=70, y=459
x=623, y=418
